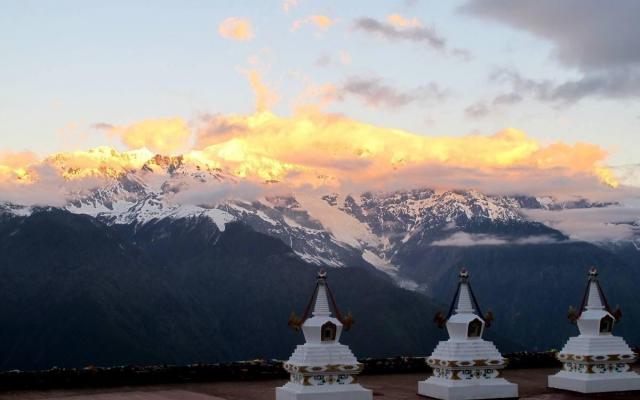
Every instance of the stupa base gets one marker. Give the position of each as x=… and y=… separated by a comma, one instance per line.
x=447, y=389
x=353, y=391
x=595, y=383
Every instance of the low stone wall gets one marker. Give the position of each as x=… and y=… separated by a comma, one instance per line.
x=59, y=378
x=236, y=371
x=395, y=365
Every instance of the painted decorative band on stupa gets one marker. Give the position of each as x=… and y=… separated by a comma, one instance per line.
x=307, y=369
x=324, y=375
x=600, y=368
x=466, y=374
x=322, y=380
x=500, y=362
x=627, y=358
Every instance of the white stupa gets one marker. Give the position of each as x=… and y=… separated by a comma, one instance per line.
x=595, y=361
x=322, y=368
x=466, y=366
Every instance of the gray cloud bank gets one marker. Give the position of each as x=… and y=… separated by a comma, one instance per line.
x=598, y=38
x=588, y=34
x=419, y=34
x=614, y=84
x=426, y=35
x=375, y=92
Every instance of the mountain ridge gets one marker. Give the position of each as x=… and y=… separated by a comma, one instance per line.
x=78, y=292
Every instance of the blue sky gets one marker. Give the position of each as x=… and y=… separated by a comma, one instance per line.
x=67, y=65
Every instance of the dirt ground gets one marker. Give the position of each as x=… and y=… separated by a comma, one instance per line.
x=532, y=385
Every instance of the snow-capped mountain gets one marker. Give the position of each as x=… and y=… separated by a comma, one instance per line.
x=332, y=230
x=335, y=229
x=399, y=214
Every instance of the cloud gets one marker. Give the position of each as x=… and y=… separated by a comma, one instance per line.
x=46, y=188
x=324, y=60
x=481, y=109
x=591, y=224
x=588, y=34
x=318, y=149
x=266, y=97
x=464, y=239
x=399, y=21
x=17, y=159
x=477, y=110
x=342, y=58
x=321, y=22
x=463, y=54
x=374, y=92
x=102, y=126
x=164, y=136
x=96, y=162
x=235, y=28
x=618, y=84
x=391, y=31
x=399, y=28
x=315, y=150
x=312, y=150
x=52, y=180
x=615, y=84
x=213, y=127
x=14, y=166
x=211, y=193
x=628, y=174
x=507, y=99
x=598, y=38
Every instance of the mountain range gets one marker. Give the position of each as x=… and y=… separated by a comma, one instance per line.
x=163, y=263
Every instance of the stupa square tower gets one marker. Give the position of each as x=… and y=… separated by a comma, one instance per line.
x=595, y=361
x=322, y=368
x=466, y=366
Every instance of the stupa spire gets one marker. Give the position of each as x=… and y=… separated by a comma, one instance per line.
x=321, y=306
x=465, y=298
x=594, y=297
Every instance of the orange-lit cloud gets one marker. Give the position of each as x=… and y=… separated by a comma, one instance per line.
x=16, y=166
x=312, y=150
x=320, y=149
x=164, y=136
x=235, y=28
x=399, y=21
x=19, y=159
x=266, y=97
x=25, y=179
x=97, y=162
x=321, y=22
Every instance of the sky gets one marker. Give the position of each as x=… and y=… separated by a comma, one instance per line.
x=80, y=74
